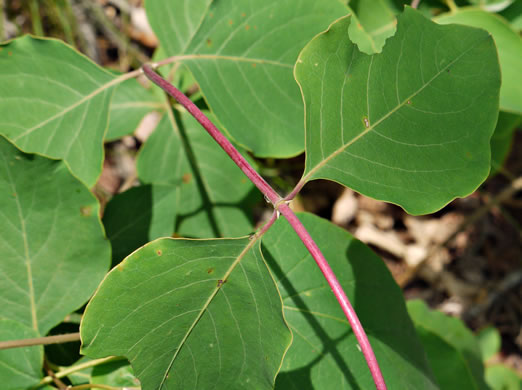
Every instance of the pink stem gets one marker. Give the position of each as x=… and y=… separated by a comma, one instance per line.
x=280, y=205
x=243, y=164
x=339, y=293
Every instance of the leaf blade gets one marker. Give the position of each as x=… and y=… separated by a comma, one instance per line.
x=187, y=300
x=244, y=51
x=452, y=350
x=382, y=132
x=45, y=279
x=50, y=89
x=509, y=45
x=324, y=352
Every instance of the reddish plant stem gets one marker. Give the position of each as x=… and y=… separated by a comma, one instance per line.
x=243, y=164
x=281, y=205
x=339, y=293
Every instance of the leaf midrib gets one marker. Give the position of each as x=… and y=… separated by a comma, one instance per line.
x=308, y=175
x=71, y=107
x=251, y=242
x=27, y=259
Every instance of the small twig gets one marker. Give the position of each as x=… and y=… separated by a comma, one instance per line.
x=79, y=367
x=50, y=372
x=64, y=20
x=59, y=339
x=2, y=16
x=94, y=386
x=280, y=205
x=116, y=36
x=240, y=161
x=415, y=4
x=35, y=18
x=451, y=5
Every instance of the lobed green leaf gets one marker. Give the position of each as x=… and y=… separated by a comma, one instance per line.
x=509, y=45
x=324, y=352
x=242, y=53
x=55, y=103
x=209, y=194
x=53, y=252
x=452, y=350
x=20, y=368
x=411, y=125
x=191, y=314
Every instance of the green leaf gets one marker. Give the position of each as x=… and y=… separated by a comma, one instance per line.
x=117, y=373
x=502, y=139
x=209, y=193
x=55, y=103
x=509, y=45
x=489, y=342
x=20, y=368
x=53, y=252
x=500, y=377
x=371, y=24
x=453, y=352
x=492, y=5
x=324, y=352
x=130, y=103
x=409, y=126
x=176, y=22
x=242, y=55
x=513, y=15
x=139, y=215
x=191, y=314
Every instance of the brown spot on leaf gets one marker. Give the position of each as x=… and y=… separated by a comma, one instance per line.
x=247, y=27
x=86, y=210
x=209, y=42
x=159, y=252
x=409, y=102
x=175, y=235
x=243, y=14
x=9, y=53
x=254, y=65
x=230, y=22
x=210, y=270
x=186, y=178
x=221, y=282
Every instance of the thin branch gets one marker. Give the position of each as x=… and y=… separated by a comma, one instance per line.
x=415, y=3
x=79, y=367
x=96, y=386
x=35, y=18
x=280, y=205
x=2, y=15
x=227, y=146
x=451, y=5
x=59, y=339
